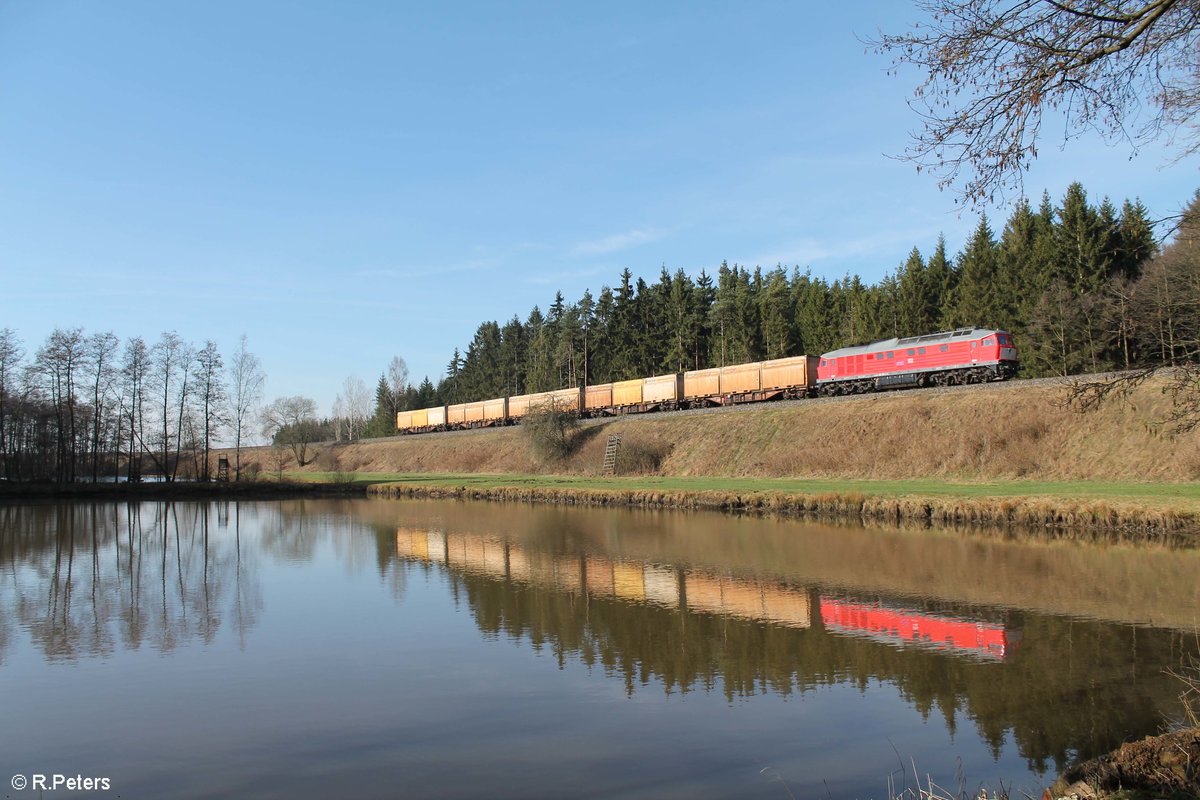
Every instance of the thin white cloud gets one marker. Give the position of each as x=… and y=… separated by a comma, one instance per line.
x=890, y=245
x=618, y=241
x=564, y=277
x=470, y=265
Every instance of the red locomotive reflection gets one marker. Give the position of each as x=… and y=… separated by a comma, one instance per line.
x=987, y=640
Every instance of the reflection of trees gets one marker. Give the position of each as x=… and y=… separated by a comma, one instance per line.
x=1069, y=688
x=90, y=579
x=85, y=579
x=294, y=529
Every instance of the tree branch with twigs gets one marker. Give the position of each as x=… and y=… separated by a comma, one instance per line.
x=1128, y=69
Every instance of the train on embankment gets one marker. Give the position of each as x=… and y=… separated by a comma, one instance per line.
x=947, y=358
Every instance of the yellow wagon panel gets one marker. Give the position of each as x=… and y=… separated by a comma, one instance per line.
x=495, y=410
x=567, y=399
x=702, y=383
x=600, y=396
x=474, y=412
x=437, y=416
x=740, y=378
x=627, y=393
x=662, y=389
x=788, y=373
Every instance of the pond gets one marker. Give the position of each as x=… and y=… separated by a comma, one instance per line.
x=383, y=648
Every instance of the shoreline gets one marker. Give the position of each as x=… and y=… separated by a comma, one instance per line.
x=177, y=490
x=1041, y=515
x=1151, y=513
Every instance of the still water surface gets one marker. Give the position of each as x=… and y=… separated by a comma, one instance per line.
x=377, y=648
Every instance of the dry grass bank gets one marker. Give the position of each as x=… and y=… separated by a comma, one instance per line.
x=1082, y=518
x=1000, y=432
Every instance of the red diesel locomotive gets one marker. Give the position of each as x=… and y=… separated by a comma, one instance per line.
x=949, y=358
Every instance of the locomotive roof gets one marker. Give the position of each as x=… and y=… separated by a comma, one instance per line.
x=890, y=344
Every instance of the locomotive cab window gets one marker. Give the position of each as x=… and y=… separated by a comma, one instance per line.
x=823, y=363
x=987, y=342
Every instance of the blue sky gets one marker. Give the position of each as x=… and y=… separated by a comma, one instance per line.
x=344, y=182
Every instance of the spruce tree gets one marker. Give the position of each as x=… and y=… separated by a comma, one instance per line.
x=974, y=298
x=775, y=311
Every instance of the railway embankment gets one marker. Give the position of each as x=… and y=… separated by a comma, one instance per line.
x=996, y=432
x=1011, y=454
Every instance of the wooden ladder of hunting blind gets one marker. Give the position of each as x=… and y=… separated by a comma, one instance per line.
x=610, y=454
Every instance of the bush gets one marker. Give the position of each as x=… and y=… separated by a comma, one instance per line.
x=641, y=458
x=551, y=430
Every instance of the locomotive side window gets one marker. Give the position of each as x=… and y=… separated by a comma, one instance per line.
x=945, y=348
x=912, y=352
x=823, y=364
x=974, y=345
x=921, y=350
x=987, y=342
x=891, y=354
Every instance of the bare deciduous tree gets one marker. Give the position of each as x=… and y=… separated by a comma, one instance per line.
x=11, y=354
x=171, y=360
x=57, y=366
x=291, y=422
x=1129, y=69
x=246, y=389
x=210, y=397
x=134, y=367
x=101, y=354
x=356, y=405
x=397, y=377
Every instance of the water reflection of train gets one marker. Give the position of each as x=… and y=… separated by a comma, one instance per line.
x=704, y=591
x=902, y=626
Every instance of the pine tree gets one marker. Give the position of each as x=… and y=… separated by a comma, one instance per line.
x=812, y=303
x=539, y=366
x=705, y=294
x=513, y=356
x=912, y=294
x=1137, y=242
x=681, y=319
x=974, y=298
x=623, y=336
x=775, y=311
x=451, y=390
x=721, y=314
x=940, y=277
x=601, y=356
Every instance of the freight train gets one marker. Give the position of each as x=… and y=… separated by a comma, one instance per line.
x=948, y=358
